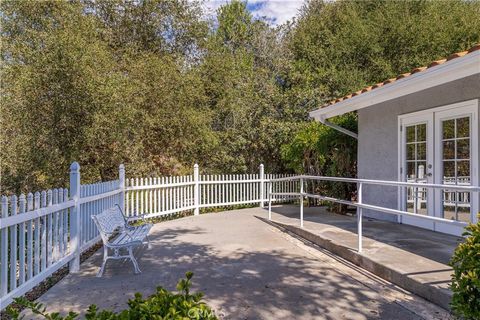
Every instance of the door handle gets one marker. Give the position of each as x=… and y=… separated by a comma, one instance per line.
x=429, y=174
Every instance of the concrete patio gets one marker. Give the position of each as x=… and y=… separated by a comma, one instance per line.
x=247, y=269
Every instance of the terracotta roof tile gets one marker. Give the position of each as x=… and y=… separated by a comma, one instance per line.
x=404, y=75
x=456, y=55
x=436, y=63
x=389, y=81
x=367, y=89
x=474, y=48
x=420, y=69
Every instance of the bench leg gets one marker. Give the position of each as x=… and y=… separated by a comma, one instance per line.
x=148, y=242
x=134, y=261
x=105, y=258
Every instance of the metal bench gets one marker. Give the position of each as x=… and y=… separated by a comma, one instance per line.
x=118, y=234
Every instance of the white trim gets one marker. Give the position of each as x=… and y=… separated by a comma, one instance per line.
x=469, y=107
x=449, y=71
x=466, y=108
x=412, y=119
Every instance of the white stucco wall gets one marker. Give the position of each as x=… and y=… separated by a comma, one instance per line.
x=378, y=136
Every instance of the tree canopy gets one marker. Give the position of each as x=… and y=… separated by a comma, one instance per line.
x=157, y=86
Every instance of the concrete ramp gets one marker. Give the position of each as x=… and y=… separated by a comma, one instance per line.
x=412, y=258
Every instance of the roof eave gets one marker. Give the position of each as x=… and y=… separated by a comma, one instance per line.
x=449, y=71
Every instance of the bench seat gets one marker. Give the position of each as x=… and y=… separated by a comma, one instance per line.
x=137, y=233
x=118, y=234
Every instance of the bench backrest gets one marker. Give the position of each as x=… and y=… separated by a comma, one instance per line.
x=109, y=221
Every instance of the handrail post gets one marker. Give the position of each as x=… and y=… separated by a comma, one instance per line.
x=75, y=221
x=121, y=179
x=359, y=216
x=301, y=202
x=196, y=190
x=262, y=185
x=270, y=200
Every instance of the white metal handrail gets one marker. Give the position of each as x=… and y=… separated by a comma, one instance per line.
x=359, y=203
x=383, y=182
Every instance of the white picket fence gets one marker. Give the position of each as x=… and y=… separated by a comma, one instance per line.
x=43, y=232
x=158, y=196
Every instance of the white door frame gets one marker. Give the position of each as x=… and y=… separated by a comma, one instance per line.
x=434, y=116
x=457, y=110
x=412, y=119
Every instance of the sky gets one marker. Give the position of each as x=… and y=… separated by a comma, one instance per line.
x=275, y=11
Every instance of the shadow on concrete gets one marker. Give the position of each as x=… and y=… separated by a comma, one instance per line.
x=246, y=272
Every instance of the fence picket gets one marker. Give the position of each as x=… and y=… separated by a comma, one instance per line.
x=29, y=238
x=43, y=230
x=4, y=251
x=13, y=245
x=55, y=227
x=59, y=229
x=36, y=238
x=21, y=240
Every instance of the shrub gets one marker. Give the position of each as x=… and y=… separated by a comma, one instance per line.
x=161, y=305
x=466, y=277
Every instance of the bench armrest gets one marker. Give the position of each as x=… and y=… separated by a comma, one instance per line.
x=128, y=219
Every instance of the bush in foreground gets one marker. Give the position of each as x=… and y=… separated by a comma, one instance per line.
x=466, y=276
x=161, y=305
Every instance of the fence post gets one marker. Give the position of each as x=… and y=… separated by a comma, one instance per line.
x=4, y=251
x=75, y=221
x=301, y=202
x=196, y=190
x=262, y=186
x=121, y=178
x=359, y=217
x=270, y=200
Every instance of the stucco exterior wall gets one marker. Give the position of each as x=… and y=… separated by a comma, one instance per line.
x=378, y=136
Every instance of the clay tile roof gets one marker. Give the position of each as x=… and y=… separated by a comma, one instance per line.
x=456, y=55
x=474, y=48
x=436, y=63
x=367, y=89
x=404, y=75
x=420, y=69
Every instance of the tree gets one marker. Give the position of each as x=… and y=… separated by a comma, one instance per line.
x=339, y=47
x=240, y=76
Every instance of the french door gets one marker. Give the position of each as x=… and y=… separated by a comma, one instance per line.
x=417, y=162
x=440, y=146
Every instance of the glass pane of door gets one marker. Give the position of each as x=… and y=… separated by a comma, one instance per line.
x=456, y=162
x=416, y=167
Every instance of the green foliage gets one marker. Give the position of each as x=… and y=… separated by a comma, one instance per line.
x=320, y=150
x=239, y=72
x=466, y=276
x=156, y=86
x=339, y=47
x=161, y=305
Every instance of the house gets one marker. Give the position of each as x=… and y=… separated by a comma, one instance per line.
x=421, y=126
